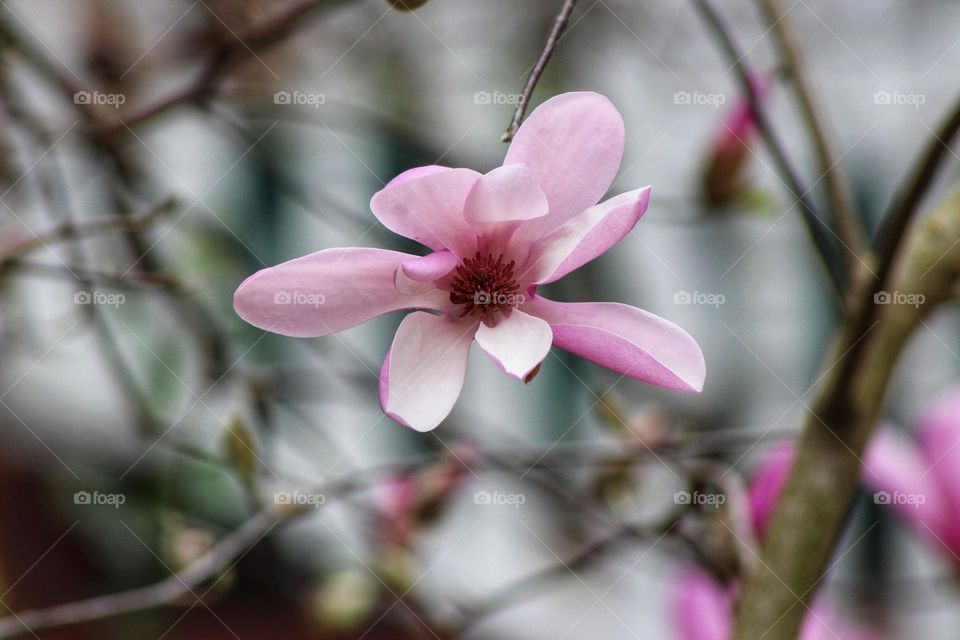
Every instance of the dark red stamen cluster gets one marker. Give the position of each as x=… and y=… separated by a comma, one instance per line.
x=484, y=285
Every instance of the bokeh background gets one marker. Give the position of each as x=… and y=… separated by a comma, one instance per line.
x=127, y=378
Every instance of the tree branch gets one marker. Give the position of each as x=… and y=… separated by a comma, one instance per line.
x=837, y=190
x=559, y=24
x=819, y=232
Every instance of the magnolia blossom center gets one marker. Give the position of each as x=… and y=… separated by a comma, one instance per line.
x=486, y=286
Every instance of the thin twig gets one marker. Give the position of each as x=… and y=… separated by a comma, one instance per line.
x=178, y=585
x=86, y=228
x=819, y=232
x=559, y=24
x=837, y=189
x=225, y=54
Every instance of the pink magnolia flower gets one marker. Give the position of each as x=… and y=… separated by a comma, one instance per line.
x=920, y=479
x=493, y=238
x=703, y=607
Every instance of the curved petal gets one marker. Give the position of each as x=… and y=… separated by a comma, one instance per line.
x=426, y=205
x=517, y=344
x=702, y=608
x=505, y=194
x=900, y=474
x=766, y=483
x=586, y=236
x=626, y=339
x=939, y=435
x=416, y=172
x=423, y=373
x=327, y=291
x=417, y=274
x=572, y=143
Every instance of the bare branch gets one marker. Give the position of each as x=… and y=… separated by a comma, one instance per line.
x=559, y=24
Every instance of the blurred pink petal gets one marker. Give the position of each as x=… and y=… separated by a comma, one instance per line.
x=766, y=483
x=900, y=472
x=939, y=435
x=702, y=608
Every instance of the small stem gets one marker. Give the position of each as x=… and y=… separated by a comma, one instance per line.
x=818, y=230
x=559, y=24
x=837, y=189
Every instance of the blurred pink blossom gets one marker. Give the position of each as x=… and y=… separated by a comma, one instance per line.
x=703, y=607
x=920, y=478
x=723, y=175
x=494, y=238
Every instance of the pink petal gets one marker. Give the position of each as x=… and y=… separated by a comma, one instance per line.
x=825, y=623
x=507, y=193
x=900, y=473
x=416, y=172
x=939, y=436
x=517, y=344
x=327, y=291
x=572, y=144
x=766, y=483
x=429, y=267
x=423, y=373
x=626, y=339
x=587, y=235
x=426, y=205
x=417, y=274
x=702, y=608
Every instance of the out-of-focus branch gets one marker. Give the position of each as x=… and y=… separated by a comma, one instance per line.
x=894, y=225
x=225, y=55
x=819, y=231
x=83, y=229
x=515, y=592
x=559, y=24
x=816, y=500
x=838, y=193
x=177, y=586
